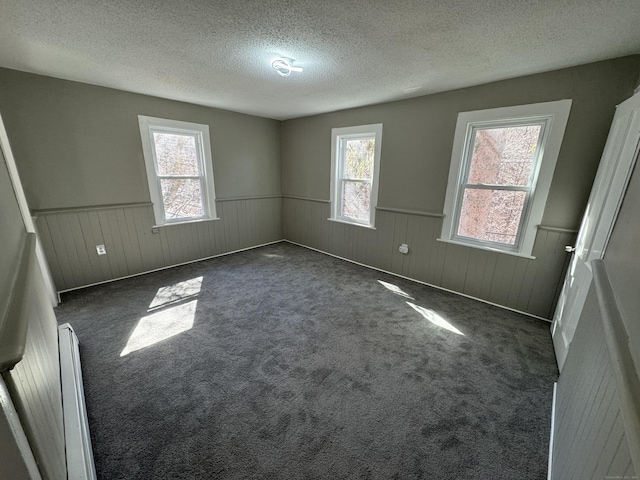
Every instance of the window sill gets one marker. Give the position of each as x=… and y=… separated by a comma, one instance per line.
x=489, y=249
x=344, y=222
x=199, y=220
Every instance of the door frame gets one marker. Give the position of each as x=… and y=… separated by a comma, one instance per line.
x=622, y=148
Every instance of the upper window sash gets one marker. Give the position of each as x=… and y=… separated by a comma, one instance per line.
x=344, y=140
x=475, y=127
x=199, y=155
x=199, y=150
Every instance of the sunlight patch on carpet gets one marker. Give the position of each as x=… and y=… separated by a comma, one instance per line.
x=171, y=312
x=272, y=255
x=160, y=326
x=434, y=318
x=177, y=292
x=395, y=289
x=169, y=315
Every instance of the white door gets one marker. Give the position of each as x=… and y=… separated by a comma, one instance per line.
x=608, y=190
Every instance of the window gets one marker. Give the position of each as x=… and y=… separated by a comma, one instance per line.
x=501, y=170
x=355, y=165
x=179, y=170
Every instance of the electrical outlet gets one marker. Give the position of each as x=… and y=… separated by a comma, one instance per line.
x=101, y=249
x=404, y=249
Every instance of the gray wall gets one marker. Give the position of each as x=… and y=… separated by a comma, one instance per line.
x=79, y=154
x=34, y=382
x=416, y=153
x=78, y=145
x=622, y=259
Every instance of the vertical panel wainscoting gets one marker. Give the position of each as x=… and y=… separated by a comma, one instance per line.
x=589, y=438
x=34, y=384
x=70, y=236
x=527, y=285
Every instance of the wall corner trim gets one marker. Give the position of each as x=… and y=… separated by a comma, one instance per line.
x=420, y=213
x=308, y=199
x=549, y=228
x=253, y=197
x=111, y=206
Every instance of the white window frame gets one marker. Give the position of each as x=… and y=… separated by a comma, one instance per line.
x=151, y=125
x=338, y=136
x=553, y=117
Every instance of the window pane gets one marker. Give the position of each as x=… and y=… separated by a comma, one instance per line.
x=356, y=197
x=176, y=154
x=504, y=156
x=358, y=161
x=492, y=215
x=182, y=198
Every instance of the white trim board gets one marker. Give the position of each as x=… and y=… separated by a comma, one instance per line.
x=553, y=428
x=170, y=266
x=421, y=282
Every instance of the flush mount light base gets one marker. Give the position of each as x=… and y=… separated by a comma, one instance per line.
x=284, y=66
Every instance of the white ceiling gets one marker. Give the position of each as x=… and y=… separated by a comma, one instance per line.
x=354, y=52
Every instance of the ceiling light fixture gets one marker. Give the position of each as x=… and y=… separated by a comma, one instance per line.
x=284, y=66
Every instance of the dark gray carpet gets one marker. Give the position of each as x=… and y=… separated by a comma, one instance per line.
x=302, y=366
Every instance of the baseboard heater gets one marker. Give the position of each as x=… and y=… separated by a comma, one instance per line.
x=80, y=464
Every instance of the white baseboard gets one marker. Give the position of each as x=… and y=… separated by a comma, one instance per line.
x=169, y=266
x=553, y=429
x=80, y=465
x=420, y=282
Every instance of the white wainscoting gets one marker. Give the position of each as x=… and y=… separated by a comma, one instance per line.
x=34, y=382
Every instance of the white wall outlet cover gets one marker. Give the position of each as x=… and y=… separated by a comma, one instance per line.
x=101, y=249
x=404, y=248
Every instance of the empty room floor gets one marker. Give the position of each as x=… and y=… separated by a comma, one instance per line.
x=284, y=363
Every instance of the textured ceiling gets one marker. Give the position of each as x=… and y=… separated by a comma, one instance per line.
x=354, y=52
